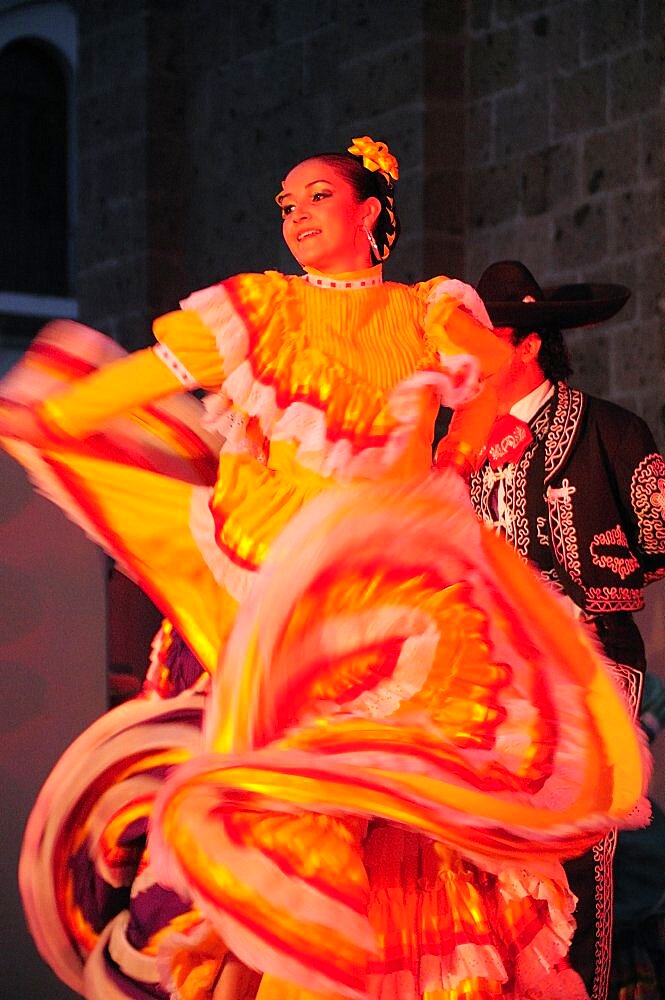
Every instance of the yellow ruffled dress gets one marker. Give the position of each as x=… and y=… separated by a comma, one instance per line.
x=403, y=735
x=301, y=372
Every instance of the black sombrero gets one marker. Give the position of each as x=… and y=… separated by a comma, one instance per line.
x=503, y=286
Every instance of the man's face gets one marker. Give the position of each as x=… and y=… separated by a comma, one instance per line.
x=521, y=372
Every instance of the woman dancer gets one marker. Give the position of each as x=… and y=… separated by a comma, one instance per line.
x=403, y=734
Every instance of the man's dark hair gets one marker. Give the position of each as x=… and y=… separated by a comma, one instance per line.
x=553, y=356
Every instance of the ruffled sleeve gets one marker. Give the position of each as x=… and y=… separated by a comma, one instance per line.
x=185, y=357
x=222, y=326
x=461, y=345
x=186, y=345
x=200, y=345
x=457, y=323
x=219, y=328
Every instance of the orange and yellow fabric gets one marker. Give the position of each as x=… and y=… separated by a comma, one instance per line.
x=385, y=676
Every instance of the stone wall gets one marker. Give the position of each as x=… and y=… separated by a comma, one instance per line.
x=524, y=128
x=132, y=191
x=565, y=167
x=273, y=83
x=190, y=115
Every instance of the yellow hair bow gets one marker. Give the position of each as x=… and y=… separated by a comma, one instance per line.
x=375, y=156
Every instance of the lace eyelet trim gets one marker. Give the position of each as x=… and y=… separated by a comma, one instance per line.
x=322, y=282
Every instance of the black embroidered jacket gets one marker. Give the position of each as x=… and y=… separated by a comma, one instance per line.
x=585, y=502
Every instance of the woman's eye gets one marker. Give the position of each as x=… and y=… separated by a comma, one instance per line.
x=319, y=195
x=286, y=210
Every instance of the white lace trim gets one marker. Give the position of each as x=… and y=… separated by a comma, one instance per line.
x=411, y=670
x=235, y=579
x=215, y=308
x=465, y=295
x=135, y=964
x=175, y=365
x=112, y=802
x=230, y=424
x=320, y=281
x=96, y=978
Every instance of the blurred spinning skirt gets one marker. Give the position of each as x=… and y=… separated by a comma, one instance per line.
x=403, y=737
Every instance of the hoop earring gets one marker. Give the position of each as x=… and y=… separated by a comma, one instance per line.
x=372, y=242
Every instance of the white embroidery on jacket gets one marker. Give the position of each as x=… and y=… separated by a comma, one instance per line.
x=601, y=599
x=647, y=494
x=615, y=537
x=564, y=536
x=561, y=433
x=541, y=530
x=603, y=857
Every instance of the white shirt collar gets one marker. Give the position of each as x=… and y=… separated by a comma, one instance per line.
x=527, y=407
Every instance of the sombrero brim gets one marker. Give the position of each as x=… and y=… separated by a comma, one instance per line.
x=563, y=307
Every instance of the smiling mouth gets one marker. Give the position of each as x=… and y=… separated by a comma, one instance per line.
x=307, y=233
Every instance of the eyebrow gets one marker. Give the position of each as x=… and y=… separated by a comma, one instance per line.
x=285, y=194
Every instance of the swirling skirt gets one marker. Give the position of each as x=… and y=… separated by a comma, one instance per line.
x=402, y=738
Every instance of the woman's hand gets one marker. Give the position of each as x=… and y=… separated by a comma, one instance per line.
x=469, y=428
x=22, y=423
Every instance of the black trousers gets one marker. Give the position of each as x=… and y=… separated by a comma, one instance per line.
x=590, y=876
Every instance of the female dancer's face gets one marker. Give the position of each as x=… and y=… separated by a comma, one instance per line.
x=323, y=220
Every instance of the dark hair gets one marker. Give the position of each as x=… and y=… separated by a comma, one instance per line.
x=553, y=355
x=369, y=184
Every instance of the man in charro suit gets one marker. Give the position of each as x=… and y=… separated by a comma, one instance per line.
x=577, y=485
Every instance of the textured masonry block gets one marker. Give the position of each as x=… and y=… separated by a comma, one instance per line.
x=479, y=128
x=636, y=356
x=493, y=194
x=579, y=101
x=648, y=285
x=631, y=215
x=479, y=15
x=652, y=19
x=442, y=255
x=367, y=26
x=589, y=352
x=634, y=83
x=444, y=202
x=493, y=62
x=406, y=129
x=522, y=119
x=512, y=10
x=549, y=42
x=387, y=78
x=444, y=70
x=252, y=26
x=611, y=159
x=444, y=135
x=651, y=147
x=609, y=27
x=321, y=60
x=550, y=178
x=299, y=18
x=580, y=237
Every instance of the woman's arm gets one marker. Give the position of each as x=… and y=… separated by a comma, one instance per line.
x=456, y=323
x=467, y=433
x=185, y=357
x=122, y=385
